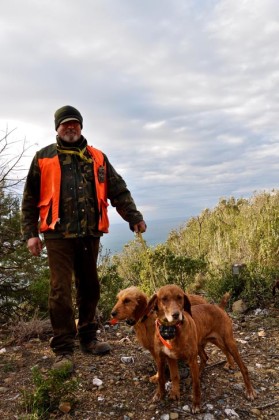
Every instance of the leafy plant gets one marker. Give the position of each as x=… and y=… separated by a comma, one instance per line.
x=20, y=274
x=49, y=392
x=111, y=283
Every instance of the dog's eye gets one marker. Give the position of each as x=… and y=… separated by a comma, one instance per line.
x=126, y=301
x=179, y=297
x=164, y=298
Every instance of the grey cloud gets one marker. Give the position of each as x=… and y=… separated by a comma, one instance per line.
x=182, y=96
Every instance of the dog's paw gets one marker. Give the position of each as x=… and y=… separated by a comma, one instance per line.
x=195, y=408
x=174, y=395
x=154, y=379
x=157, y=396
x=230, y=367
x=251, y=394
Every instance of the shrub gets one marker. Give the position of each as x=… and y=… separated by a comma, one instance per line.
x=49, y=392
x=111, y=284
x=35, y=328
x=253, y=284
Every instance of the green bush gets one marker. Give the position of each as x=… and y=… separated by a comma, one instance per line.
x=49, y=392
x=111, y=283
x=38, y=293
x=253, y=284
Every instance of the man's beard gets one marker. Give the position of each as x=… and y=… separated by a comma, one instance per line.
x=70, y=136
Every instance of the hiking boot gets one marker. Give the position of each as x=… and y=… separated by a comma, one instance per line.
x=64, y=362
x=95, y=347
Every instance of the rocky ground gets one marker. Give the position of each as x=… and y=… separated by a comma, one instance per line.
x=125, y=392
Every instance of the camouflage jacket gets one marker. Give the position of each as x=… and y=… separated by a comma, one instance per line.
x=78, y=211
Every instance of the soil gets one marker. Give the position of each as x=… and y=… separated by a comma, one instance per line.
x=126, y=392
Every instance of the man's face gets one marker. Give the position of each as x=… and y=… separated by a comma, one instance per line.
x=69, y=131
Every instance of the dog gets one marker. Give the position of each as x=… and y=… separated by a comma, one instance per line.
x=131, y=307
x=193, y=327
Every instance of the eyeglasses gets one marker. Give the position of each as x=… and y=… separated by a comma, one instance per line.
x=73, y=122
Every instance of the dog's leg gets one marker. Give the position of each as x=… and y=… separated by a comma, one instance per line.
x=153, y=379
x=174, y=376
x=229, y=347
x=203, y=358
x=160, y=392
x=230, y=361
x=233, y=350
x=194, y=368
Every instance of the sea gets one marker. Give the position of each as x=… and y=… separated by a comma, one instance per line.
x=157, y=233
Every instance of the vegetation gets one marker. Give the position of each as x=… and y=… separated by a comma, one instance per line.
x=242, y=233
x=202, y=255
x=49, y=392
x=23, y=280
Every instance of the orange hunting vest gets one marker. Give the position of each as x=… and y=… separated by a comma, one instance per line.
x=50, y=190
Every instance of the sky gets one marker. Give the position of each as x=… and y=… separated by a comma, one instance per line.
x=181, y=95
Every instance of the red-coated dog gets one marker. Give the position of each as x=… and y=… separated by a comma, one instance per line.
x=192, y=328
x=130, y=307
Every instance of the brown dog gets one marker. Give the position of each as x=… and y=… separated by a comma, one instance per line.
x=193, y=327
x=130, y=307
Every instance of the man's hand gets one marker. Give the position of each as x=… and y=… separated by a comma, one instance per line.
x=35, y=246
x=140, y=227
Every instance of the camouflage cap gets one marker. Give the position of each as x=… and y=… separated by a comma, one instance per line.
x=67, y=113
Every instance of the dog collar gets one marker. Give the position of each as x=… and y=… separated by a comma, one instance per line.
x=160, y=325
x=130, y=322
x=163, y=341
x=133, y=322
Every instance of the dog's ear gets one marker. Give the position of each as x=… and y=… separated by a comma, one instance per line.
x=152, y=304
x=141, y=303
x=187, y=304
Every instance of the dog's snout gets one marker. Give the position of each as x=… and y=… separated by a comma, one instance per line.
x=175, y=315
x=113, y=313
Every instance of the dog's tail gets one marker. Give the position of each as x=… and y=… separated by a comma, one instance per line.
x=224, y=300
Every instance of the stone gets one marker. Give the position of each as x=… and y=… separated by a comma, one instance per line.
x=65, y=407
x=239, y=307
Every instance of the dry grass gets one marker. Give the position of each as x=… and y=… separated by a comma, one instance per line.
x=25, y=330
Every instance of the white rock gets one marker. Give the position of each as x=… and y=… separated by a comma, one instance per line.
x=97, y=382
x=241, y=341
x=208, y=416
x=168, y=386
x=231, y=413
x=127, y=359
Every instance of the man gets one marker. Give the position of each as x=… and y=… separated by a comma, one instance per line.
x=66, y=189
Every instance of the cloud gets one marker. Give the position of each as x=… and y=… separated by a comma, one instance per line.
x=181, y=96
x=154, y=125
